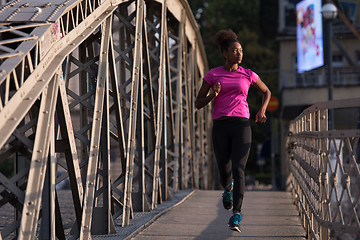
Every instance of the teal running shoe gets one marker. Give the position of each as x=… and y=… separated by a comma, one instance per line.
x=227, y=200
x=234, y=222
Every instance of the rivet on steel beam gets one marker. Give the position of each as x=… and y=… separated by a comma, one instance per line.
x=46, y=112
x=39, y=150
x=41, y=80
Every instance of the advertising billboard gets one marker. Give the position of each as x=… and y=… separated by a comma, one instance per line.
x=309, y=35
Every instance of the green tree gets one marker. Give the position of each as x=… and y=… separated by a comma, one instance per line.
x=214, y=15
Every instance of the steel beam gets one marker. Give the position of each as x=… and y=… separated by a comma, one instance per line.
x=100, y=98
x=136, y=74
x=38, y=164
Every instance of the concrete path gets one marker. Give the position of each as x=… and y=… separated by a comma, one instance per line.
x=266, y=215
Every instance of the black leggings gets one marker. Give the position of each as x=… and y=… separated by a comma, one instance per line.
x=232, y=141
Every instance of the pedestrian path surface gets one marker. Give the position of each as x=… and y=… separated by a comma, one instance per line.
x=266, y=215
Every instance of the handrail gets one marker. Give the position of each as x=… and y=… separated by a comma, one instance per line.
x=324, y=170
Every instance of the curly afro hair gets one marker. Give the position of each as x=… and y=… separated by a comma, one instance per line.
x=224, y=38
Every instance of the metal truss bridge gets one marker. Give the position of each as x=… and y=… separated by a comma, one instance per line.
x=99, y=94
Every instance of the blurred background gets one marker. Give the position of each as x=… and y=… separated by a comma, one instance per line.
x=269, y=31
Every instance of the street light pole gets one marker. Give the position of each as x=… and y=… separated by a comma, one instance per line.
x=328, y=33
x=329, y=12
x=328, y=30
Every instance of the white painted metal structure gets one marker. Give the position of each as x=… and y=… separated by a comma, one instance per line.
x=88, y=85
x=325, y=175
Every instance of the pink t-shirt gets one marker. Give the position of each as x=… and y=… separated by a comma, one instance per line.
x=231, y=101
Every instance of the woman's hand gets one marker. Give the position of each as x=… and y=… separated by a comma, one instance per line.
x=260, y=116
x=203, y=98
x=216, y=89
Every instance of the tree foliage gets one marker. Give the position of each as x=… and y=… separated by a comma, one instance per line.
x=255, y=24
x=215, y=15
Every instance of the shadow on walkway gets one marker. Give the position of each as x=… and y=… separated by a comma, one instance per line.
x=218, y=228
x=266, y=215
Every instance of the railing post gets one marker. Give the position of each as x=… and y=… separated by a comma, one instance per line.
x=324, y=186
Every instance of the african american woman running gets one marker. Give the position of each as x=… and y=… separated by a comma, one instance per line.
x=228, y=87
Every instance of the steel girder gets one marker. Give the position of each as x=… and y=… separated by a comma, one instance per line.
x=101, y=94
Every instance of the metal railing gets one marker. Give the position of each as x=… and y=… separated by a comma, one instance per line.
x=324, y=170
x=98, y=93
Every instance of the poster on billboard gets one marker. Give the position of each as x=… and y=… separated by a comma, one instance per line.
x=309, y=35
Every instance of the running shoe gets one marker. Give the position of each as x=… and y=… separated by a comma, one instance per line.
x=234, y=222
x=227, y=200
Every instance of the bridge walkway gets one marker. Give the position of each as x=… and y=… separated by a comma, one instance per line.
x=266, y=215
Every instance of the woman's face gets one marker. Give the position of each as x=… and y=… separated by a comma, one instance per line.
x=234, y=53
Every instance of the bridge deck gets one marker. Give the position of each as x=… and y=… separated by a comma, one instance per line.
x=266, y=215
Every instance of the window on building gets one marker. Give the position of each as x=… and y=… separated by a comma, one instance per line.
x=338, y=60
x=294, y=60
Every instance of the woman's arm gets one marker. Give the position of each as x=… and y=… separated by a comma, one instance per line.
x=260, y=116
x=202, y=99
